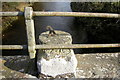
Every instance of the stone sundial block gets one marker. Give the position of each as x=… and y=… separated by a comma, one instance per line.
x=53, y=62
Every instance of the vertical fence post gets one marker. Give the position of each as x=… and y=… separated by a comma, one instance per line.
x=30, y=31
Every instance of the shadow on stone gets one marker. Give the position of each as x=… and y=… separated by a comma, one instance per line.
x=21, y=64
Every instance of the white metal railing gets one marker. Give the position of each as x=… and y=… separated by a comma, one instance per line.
x=60, y=46
x=29, y=13
x=67, y=14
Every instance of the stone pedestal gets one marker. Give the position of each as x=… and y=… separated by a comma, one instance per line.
x=56, y=62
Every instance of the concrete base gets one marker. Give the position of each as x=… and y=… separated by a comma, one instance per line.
x=54, y=62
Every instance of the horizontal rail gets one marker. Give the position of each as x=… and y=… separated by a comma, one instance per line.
x=73, y=46
x=11, y=13
x=5, y=47
x=69, y=14
x=77, y=14
x=60, y=46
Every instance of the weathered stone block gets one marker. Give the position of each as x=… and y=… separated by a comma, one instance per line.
x=54, y=62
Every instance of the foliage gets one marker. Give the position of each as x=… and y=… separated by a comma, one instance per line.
x=100, y=30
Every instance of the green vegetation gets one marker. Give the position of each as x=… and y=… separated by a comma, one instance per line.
x=11, y=6
x=100, y=30
x=7, y=22
x=110, y=7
